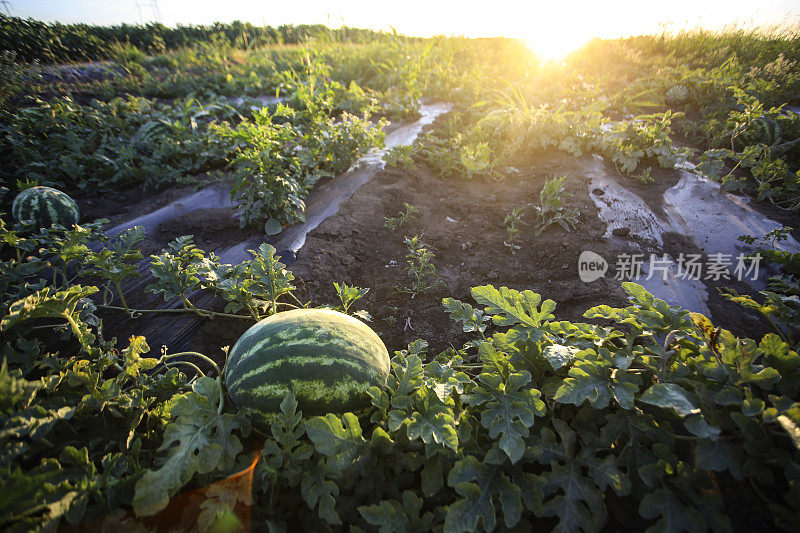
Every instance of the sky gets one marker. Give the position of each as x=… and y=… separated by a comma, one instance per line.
x=552, y=26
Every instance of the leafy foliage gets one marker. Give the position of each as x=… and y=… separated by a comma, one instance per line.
x=534, y=422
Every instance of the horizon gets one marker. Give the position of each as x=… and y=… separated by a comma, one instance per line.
x=551, y=30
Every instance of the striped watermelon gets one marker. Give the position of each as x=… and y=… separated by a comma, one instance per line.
x=762, y=130
x=327, y=359
x=148, y=135
x=676, y=95
x=40, y=207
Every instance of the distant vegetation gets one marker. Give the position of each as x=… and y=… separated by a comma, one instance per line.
x=33, y=40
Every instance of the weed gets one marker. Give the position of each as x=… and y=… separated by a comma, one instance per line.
x=419, y=267
x=512, y=222
x=393, y=223
x=551, y=207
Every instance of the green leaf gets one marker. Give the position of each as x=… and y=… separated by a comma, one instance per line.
x=670, y=396
x=339, y=439
x=586, y=381
x=509, y=408
x=348, y=295
x=471, y=319
x=15, y=391
x=510, y=307
x=673, y=515
x=482, y=488
x=403, y=517
x=48, y=303
x=575, y=499
x=433, y=422
x=718, y=455
x=199, y=440
x=320, y=493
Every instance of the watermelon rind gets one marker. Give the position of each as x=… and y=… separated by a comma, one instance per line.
x=41, y=207
x=327, y=359
x=147, y=136
x=762, y=130
x=677, y=95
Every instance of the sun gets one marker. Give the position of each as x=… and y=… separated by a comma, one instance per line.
x=555, y=44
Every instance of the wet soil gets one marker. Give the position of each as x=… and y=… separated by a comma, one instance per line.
x=461, y=222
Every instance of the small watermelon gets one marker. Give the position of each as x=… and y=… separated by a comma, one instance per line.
x=40, y=207
x=148, y=135
x=676, y=95
x=762, y=130
x=327, y=359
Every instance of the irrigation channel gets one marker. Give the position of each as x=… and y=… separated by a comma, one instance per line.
x=694, y=213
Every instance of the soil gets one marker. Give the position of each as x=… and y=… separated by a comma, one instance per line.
x=460, y=222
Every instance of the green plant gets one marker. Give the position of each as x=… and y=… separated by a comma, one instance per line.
x=645, y=139
x=419, y=267
x=512, y=222
x=283, y=153
x=394, y=223
x=255, y=286
x=348, y=296
x=551, y=208
x=401, y=156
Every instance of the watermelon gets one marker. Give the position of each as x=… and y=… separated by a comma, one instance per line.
x=677, y=95
x=762, y=130
x=41, y=207
x=148, y=135
x=327, y=359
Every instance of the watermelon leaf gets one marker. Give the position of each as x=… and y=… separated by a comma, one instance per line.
x=198, y=440
x=509, y=408
x=392, y=515
x=339, y=439
x=483, y=488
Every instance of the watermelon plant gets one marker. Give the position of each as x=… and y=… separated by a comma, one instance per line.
x=512, y=222
x=393, y=223
x=282, y=154
x=551, y=208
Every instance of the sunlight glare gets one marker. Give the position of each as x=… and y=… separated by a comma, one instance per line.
x=554, y=46
x=554, y=30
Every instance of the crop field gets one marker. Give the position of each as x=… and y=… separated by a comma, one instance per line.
x=303, y=279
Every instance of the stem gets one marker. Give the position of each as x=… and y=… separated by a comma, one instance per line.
x=122, y=298
x=208, y=360
x=187, y=363
x=202, y=312
x=758, y=492
x=210, y=314
x=72, y=324
x=205, y=358
x=296, y=299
